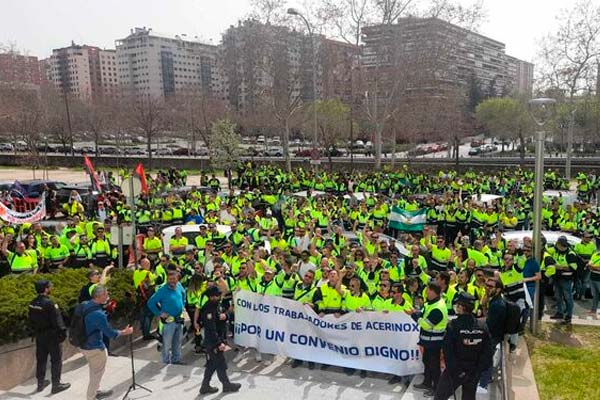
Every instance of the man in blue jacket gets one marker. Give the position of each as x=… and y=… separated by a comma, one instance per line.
x=168, y=303
x=94, y=350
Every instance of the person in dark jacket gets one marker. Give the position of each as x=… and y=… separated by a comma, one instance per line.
x=50, y=331
x=214, y=322
x=467, y=349
x=495, y=321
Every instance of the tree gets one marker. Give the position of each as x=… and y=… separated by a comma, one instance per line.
x=23, y=119
x=148, y=114
x=474, y=92
x=332, y=122
x=95, y=117
x=568, y=57
x=225, y=151
x=506, y=118
x=194, y=111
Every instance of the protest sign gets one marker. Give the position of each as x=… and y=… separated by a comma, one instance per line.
x=372, y=341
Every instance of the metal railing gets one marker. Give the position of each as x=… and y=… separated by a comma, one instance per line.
x=501, y=389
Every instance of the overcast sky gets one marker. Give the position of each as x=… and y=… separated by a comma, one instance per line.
x=38, y=26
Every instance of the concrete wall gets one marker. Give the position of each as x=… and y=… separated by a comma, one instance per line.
x=17, y=360
x=360, y=164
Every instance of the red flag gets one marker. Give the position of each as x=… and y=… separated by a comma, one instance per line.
x=92, y=173
x=142, y=174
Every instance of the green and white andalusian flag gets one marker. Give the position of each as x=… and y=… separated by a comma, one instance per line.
x=408, y=221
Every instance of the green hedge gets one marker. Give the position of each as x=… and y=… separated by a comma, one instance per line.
x=17, y=291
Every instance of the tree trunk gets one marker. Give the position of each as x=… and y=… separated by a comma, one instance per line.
x=378, y=135
x=393, y=161
x=149, y=145
x=286, y=146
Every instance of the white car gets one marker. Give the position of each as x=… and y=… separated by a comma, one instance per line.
x=190, y=232
x=313, y=193
x=567, y=196
x=485, y=198
x=551, y=237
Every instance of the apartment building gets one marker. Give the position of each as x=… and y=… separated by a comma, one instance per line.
x=158, y=65
x=21, y=69
x=450, y=54
x=86, y=72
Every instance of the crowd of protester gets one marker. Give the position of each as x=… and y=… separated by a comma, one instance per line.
x=322, y=238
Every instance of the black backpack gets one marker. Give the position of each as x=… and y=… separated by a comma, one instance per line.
x=77, y=335
x=512, y=322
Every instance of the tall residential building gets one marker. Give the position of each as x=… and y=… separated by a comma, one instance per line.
x=263, y=61
x=159, y=65
x=432, y=42
x=21, y=69
x=108, y=72
x=86, y=72
x=339, y=64
x=523, y=76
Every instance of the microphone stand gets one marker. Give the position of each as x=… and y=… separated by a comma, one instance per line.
x=133, y=385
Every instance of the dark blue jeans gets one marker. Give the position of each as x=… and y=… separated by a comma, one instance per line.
x=146, y=317
x=563, y=294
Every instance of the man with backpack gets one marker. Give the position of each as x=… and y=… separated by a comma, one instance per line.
x=495, y=322
x=514, y=291
x=88, y=326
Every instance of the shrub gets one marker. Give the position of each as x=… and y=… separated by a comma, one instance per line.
x=17, y=291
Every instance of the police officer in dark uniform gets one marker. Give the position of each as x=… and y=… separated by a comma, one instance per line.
x=50, y=331
x=468, y=351
x=214, y=321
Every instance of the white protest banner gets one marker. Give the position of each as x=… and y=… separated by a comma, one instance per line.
x=371, y=341
x=15, y=217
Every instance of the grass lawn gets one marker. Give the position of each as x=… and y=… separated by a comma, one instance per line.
x=566, y=361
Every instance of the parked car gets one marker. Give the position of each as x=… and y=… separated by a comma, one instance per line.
x=181, y=151
x=85, y=191
x=34, y=188
x=274, y=152
x=88, y=150
x=201, y=151
x=6, y=147
x=21, y=145
x=334, y=152
x=304, y=153
x=109, y=150
x=165, y=151
x=490, y=148
x=476, y=143
x=475, y=151
x=135, y=151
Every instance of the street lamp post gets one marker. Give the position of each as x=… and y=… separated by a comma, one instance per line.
x=295, y=12
x=541, y=110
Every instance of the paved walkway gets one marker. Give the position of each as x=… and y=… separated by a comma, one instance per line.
x=271, y=379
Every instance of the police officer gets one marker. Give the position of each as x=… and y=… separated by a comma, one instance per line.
x=467, y=349
x=432, y=322
x=215, y=327
x=50, y=331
